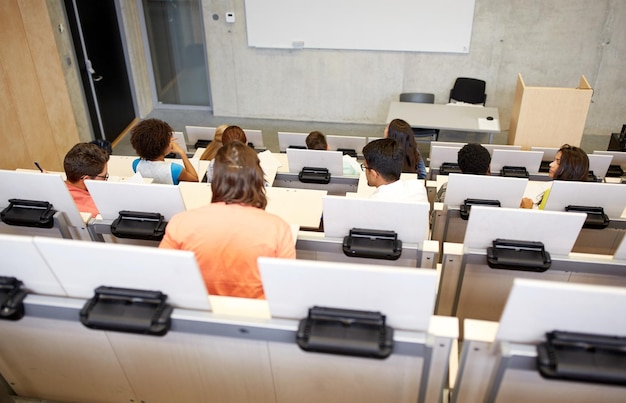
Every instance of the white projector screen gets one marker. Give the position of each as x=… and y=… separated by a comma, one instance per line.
x=393, y=25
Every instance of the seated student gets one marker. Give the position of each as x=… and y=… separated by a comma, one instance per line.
x=570, y=164
x=152, y=139
x=214, y=145
x=383, y=166
x=317, y=141
x=230, y=134
x=228, y=235
x=473, y=159
x=85, y=161
x=402, y=132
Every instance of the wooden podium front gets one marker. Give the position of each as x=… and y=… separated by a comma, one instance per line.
x=549, y=116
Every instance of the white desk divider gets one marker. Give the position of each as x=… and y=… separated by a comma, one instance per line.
x=82, y=267
x=409, y=220
x=370, y=139
x=296, y=206
x=195, y=194
x=492, y=147
x=43, y=187
x=286, y=139
x=509, y=191
x=298, y=159
x=549, y=153
x=179, y=137
x=405, y=296
x=535, y=307
x=531, y=160
x=439, y=155
x=195, y=133
x=349, y=142
x=610, y=196
x=255, y=137
x=447, y=144
x=21, y=259
x=558, y=231
x=121, y=165
x=599, y=164
x=619, y=157
x=113, y=197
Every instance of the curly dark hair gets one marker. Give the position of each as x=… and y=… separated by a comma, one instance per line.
x=151, y=138
x=474, y=159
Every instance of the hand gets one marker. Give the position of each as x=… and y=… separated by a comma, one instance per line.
x=526, y=203
x=176, y=148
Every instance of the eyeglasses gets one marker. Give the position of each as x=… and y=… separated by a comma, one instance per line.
x=363, y=167
x=104, y=177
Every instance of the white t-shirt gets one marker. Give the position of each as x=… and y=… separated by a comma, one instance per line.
x=411, y=190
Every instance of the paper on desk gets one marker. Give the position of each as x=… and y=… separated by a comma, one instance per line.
x=136, y=178
x=493, y=125
x=270, y=165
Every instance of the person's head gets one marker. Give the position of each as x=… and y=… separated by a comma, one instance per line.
x=402, y=132
x=86, y=161
x=316, y=141
x=238, y=177
x=234, y=133
x=215, y=144
x=570, y=164
x=474, y=159
x=151, y=138
x=383, y=161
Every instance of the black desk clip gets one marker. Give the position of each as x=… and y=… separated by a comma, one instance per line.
x=514, y=172
x=345, y=332
x=28, y=213
x=202, y=143
x=583, y=357
x=127, y=310
x=348, y=151
x=464, y=210
x=448, y=168
x=139, y=225
x=518, y=255
x=314, y=175
x=375, y=244
x=596, y=218
x=11, y=298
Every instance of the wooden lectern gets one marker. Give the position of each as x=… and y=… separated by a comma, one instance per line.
x=548, y=116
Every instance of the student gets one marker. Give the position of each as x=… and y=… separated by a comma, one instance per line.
x=317, y=141
x=228, y=235
x=211, y=150
x=85, y=161
x=401, y=131
x=383, y=166
x=152, y=139
x=570, y=164
x=473, y=159
x=230, y=134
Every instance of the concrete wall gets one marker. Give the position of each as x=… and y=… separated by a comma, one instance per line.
x=551, y=43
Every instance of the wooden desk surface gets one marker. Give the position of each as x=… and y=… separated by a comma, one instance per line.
x=446, y=117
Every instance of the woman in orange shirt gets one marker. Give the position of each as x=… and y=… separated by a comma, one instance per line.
x=228, y=235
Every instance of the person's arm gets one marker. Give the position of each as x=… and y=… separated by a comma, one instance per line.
x=188, y=174
x=286, y=247
x=421, y=169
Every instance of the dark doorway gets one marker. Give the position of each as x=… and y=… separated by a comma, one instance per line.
x=100, y=54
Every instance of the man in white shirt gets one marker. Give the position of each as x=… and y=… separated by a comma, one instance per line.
x=383, y=166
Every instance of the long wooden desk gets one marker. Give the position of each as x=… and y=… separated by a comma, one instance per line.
x=447, y=117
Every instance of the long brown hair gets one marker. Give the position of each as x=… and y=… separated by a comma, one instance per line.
x=214, y=145
x=238, y=177
x=574, y=164
x=402, y=132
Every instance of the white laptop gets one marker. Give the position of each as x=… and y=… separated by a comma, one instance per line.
x=508, y=191
x=531, y=160
x=331, y=160
x=291, y=139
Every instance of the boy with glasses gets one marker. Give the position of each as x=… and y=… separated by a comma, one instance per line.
x=85, y=161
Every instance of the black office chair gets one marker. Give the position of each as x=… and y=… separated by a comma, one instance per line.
x=421, y=98
x=469, y=90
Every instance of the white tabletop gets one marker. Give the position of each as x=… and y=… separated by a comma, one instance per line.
x=447, y=117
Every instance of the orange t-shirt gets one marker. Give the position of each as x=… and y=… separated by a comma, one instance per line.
x=83, y=200
x=227, y=239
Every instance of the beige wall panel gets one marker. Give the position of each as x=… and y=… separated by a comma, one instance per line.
x=13, y=148
x=50, y=75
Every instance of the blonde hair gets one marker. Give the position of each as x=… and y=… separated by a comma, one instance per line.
x=214, y=145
